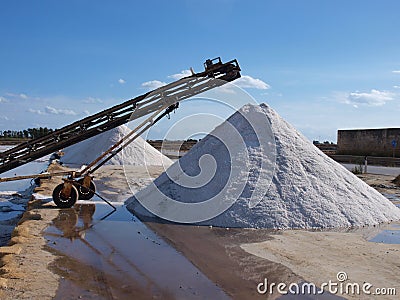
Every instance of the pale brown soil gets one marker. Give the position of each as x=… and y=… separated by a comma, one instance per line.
x=319, y=256
x=384, y=184
x=24, y=272
x=396, y=181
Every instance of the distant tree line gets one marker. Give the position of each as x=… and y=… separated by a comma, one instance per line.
x=324, y=143
x=30, y=133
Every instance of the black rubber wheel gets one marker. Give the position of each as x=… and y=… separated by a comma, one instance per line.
x=85, y=193
x=63, y=202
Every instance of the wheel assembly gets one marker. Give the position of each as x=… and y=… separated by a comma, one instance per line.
x=65, y=195
x=86, y=188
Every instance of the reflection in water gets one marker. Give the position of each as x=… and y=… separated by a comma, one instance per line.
x=117, y=256
x=390, y=234
x=73, y=222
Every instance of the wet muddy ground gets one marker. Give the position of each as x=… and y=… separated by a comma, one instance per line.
x=119, y=258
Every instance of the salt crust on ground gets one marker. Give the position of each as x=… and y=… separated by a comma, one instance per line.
x=138, y=153
x=308, y=189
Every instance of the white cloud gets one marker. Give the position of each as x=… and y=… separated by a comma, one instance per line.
x=373, y=98
x=92, y=100
x=52, y=111
x=227, y=89
x=396, y=86
x=17, y=96
x=55, y=111
x=36, y=111
x=247, y=81
x=153, y=84
x=86, y=112
x=396, y=71
x=272, y=94
x=121, y=81
x=3, y=100
x=182, y=74
x=5, y=118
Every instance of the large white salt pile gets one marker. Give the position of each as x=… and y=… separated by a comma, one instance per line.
x=137, y=153
x=308, y=189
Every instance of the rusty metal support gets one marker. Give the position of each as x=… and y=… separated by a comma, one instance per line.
x=87, y=179
x=66, y=191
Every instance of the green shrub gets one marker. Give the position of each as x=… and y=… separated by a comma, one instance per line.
x=357, y=169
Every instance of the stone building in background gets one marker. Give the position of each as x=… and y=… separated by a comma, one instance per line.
x=370, y=142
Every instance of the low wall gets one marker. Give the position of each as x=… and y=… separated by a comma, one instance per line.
x=372, y=142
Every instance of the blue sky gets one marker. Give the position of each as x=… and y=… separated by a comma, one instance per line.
x=323, y=65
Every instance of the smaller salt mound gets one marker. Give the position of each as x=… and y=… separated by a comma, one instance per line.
x=137, y=153
x=308, y=189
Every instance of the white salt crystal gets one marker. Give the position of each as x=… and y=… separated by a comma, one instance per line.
x=308, y=189
x=138, y=153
